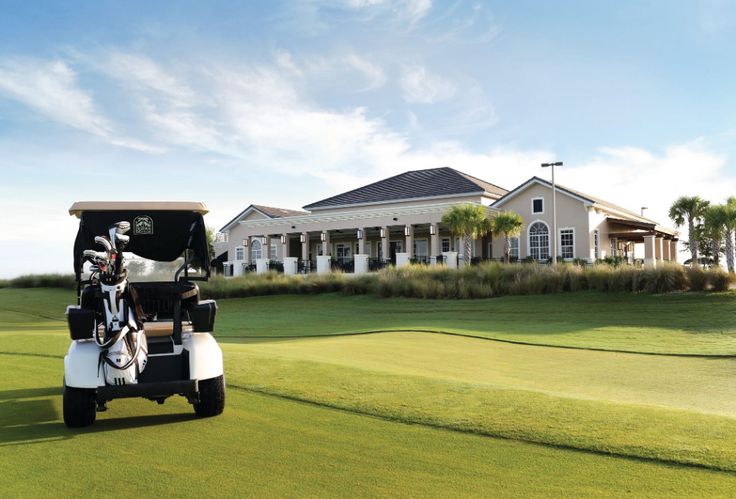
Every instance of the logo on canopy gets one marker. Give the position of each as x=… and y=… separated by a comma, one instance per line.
x=143, y=225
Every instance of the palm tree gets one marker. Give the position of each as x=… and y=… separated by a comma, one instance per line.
x=689, y=210
x=730, y=212
x=509, y=224
x=715, y=219
x=469, y=221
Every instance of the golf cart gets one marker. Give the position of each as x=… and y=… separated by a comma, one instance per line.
x=142, y=339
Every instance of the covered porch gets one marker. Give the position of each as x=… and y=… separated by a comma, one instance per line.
x=660, y=243
x=355, y=242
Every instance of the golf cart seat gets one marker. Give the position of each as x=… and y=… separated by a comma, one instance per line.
x=161, y=329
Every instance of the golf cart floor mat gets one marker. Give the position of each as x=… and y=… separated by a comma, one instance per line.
x=165, y=368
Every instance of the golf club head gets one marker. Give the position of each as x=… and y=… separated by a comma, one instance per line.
x=121, y=241
x=103, y=242
x=89, y=253
x=122, y=227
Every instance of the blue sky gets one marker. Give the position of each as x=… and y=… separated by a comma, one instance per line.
x=284, y=103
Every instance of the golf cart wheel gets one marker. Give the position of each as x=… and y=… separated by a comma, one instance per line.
x=211, y=397
x=79, y=407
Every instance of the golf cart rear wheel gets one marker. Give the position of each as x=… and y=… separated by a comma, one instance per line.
x=79, y=407
x=211, y=397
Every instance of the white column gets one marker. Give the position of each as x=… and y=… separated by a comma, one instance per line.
x=409, y=241
x=384, y=245
x=361, y=241
x=323, y=264
x=326, y=249
x=450, y=259
x=291, y=265
x=649, y=251
x=673, y=250
x=658, y=249
x=305, y=246
x=361, y=264
x=285, y=247
x=434, y=242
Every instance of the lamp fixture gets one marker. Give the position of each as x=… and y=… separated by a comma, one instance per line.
x=382, y=232
x=323, y=236
x=407, y=230
x=432, y=230
x=283, y=238
x=359, y=234
x=245, y=243
x=302, y=238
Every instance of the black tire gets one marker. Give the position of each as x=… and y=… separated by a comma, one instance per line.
x=79, y=407
x=211, y=397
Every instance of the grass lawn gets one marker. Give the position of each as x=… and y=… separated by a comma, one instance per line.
x=399, y=414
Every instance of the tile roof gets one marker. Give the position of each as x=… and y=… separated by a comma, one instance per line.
x=434, y=182
x=269, y=211
x=273, y=212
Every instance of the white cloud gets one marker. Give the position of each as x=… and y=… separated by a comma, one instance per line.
x=373, y=73
x=50, y=88
x=421, y=86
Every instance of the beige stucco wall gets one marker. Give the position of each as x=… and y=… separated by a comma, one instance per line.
x=571, y=213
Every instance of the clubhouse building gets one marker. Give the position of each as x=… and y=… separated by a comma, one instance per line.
x=398, y=220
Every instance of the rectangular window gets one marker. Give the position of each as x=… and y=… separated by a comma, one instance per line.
x=274, y=251
x=445, y=245
x=538, y=205
x=514, y=253
x=567, y=243
x=420, y=250
x=596, y=244
x=239, y=253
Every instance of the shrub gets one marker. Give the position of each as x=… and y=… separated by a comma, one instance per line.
x=65, y=281
x=696, y=278
x=718, y=279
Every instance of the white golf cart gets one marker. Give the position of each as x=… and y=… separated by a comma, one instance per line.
x=143, y=339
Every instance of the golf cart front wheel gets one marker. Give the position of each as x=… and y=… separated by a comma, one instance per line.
x=79, y=407
x=211, y=397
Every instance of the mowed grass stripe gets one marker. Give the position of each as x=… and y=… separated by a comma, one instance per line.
x=545, y=409
x=677, y=323
x=263, y=446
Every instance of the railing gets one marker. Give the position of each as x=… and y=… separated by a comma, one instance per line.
x=375, y=264
x=344, y=265
x=276, y=266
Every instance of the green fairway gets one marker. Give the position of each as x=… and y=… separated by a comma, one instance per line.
x=398, y=414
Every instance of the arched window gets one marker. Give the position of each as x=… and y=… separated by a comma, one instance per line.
x=539, y=241
x=256, y=250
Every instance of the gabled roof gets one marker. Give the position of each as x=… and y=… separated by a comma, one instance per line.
x=416, y=184
x=266, y=211
x=619, y=211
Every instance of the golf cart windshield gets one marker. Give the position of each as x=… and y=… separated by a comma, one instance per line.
x=160, y=231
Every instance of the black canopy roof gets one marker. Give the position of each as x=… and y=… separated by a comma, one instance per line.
x=161, y=235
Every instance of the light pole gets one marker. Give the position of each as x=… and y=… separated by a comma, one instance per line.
x=554, y=209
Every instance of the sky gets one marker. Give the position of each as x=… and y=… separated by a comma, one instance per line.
x=285, y=103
